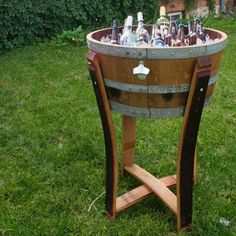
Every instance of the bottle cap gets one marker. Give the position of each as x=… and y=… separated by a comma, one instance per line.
x=162, y=11
x=140, y=16
x=129, y=21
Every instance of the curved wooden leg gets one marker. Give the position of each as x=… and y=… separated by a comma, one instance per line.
x=109, y=134
x=188, y=139
x=128, y=140
x=195, y=164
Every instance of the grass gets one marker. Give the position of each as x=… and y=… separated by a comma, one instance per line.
x=52, y=163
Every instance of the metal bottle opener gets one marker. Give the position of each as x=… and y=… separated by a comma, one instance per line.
x=141, y=71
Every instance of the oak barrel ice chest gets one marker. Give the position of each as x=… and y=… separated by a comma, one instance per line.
x=148, y=82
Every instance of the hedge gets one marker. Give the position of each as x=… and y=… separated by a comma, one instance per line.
x=27, y=21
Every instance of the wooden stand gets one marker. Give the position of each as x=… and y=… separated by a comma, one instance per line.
x=180, y=204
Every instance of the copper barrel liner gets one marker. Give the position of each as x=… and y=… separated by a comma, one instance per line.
x=162, y=89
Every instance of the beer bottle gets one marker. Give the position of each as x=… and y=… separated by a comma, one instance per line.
x=168, y=38
x=171, y=36
x=197, y=26
x=201, y=35
x=191, y=38
x=180, y=41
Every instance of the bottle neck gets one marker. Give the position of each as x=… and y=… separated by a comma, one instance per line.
x=128, y=29
x=140, y=24
x=181, y=35
x=114, y=34
x=190, y=28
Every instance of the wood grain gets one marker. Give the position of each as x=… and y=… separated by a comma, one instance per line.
x=155, y=185
x=109, y=134
x=151, y=100
x=188, y=139
x=134, y=196
x=195, y=164
x=128, y=140
x=162, y=71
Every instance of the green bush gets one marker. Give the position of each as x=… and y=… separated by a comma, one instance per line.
x=71, y=37
x=27, y=21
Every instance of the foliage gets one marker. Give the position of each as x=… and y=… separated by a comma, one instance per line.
x=52, y=154
x=28, y=21
x=71, y=37
x=211, y=4
x=189, y=4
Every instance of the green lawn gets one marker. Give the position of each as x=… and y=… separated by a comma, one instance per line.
x=52, y=163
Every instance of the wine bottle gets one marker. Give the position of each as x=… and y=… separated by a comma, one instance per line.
x=127, y=38
x=163, y=22
x=114, y=33
x=158, y=41
x=141, y=32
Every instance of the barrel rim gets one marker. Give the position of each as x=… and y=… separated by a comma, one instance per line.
x=156, y=53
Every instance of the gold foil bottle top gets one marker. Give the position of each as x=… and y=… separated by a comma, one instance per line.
x=162, y=20
x=162, y=11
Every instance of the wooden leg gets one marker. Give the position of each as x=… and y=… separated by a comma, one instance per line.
x=188, y=139
x=128, y=140
x=195, y=164
x=109, y=134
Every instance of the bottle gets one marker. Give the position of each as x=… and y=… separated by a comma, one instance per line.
x=198, y=29
x=114, y=33
x=191, y=38
x=180, y=41
x=177, y=23
x=168, y=39
x=141, y=33
x=156, y=29
x=158, y=41
x=197, y=26
x=190, y=27
x=127, y=38
x=201, y=35
x=171, y=36
x=162, y=21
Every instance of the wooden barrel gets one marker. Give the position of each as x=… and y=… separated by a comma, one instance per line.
x=163, y=93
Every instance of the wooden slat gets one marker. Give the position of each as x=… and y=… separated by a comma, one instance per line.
x=187, y=143
x=128, y=140
x=130, y=198
x=169, y=181
x=195, y=164
x=108, y=131
x=155, y=185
